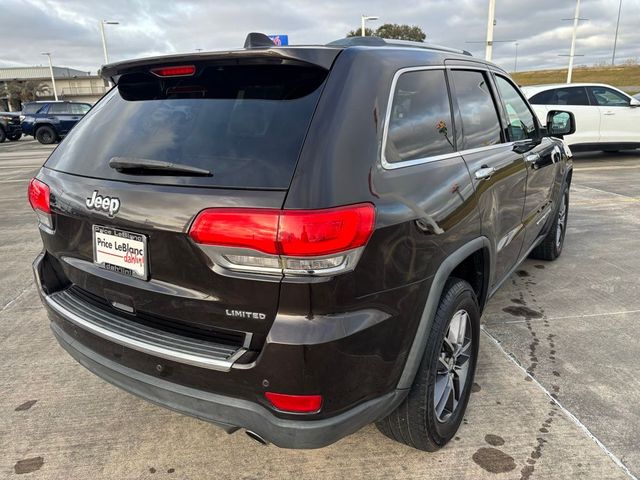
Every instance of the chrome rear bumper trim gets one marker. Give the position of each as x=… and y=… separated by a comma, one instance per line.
x=170, y=346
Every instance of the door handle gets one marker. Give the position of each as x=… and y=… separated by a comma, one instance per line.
x=532, y=157
x=484, y=173
x=609, y=113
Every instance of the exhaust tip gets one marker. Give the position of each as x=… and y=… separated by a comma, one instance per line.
x=256, y=437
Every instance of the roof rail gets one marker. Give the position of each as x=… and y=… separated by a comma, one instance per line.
x=372, y=41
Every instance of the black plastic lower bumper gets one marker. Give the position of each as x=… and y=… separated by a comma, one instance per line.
x=13, y=130
x=229, y=412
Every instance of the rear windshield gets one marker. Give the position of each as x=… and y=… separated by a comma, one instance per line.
x=243, y=123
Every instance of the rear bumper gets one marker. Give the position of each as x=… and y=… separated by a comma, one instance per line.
x=228, y=412
x=231, y=397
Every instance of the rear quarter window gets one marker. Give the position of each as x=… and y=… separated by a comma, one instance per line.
x=420, y=123
x=244, y=123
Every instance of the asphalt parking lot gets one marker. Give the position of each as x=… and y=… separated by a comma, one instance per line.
x=556, y=396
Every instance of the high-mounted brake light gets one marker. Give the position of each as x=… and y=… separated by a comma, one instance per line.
x=178, y=71
x=39, y=195
x=293, y=241
x=295, y=403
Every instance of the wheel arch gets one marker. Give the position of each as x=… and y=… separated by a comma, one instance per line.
x=459, y=261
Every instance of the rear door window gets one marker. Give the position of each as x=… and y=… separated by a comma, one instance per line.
x=480, y=124
x=420, y=119
x=245, y=123
x=562, y=96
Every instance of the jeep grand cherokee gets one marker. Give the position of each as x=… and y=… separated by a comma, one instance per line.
x=297, y=241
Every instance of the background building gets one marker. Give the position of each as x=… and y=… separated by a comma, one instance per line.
x=71, y=84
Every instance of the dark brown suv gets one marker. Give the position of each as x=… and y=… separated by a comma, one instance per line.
x=297, y=241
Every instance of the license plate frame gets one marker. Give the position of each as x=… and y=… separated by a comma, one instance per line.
x=139, y=269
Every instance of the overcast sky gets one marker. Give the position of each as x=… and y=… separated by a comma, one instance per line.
x=69, y=28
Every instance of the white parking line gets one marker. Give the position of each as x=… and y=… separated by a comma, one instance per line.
x=15, y=181
x=610, y=167
x=605, y=191
x=19, y=167
x=586, y=315
x=570, y=415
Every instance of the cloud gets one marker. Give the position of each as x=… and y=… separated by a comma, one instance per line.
x=69, y=29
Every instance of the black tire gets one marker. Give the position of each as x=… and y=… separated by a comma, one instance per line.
x=46, y=135
x=15, y=137
x=416, y=422
x=551, y=247
x=3, y=135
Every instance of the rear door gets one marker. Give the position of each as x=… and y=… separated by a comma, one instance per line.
x=541, y=156
x=242, y=122
x=61, y=116
x=498, y=172
x=575, y=100
x=619, y=121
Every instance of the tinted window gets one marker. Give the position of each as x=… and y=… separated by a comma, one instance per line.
x=79, y=108
x=31, y=108
x=420, y=121
x=606, y=97
x=244, y=123
x=562, y=96
x=542, y=98
x=59, y=108
x=480, y=125
x=520, y=121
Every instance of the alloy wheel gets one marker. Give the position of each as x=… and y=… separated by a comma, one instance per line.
x=453, y=366
x=562, y=221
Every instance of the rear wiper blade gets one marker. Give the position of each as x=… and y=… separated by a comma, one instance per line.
x=146, y=165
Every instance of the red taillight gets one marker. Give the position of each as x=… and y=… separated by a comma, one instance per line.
x=39, y=196
x=323, y=232
x=178, y=71
x=295, y=403
x=297, y=233
x=237, y=227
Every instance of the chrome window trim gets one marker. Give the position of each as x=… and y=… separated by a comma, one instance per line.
x=419, y=161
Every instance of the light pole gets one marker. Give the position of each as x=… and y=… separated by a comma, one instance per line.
x=615, y=39
x=363, y=19
x=515, y=64
x=104, y=40
x=53, y=80
x=491, y=22
x=572, y=51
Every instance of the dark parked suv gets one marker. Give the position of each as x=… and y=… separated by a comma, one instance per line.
x=297, y=241
x=48, y=122
x=10, y=126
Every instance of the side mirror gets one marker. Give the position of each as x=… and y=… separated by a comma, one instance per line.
x=560, y=123
x=634, y=102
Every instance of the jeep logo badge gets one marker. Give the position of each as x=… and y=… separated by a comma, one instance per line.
x=111, y=205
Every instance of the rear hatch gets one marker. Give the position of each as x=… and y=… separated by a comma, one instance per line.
x=168, y=142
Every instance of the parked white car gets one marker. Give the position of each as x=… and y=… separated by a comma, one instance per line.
x=606, y=117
